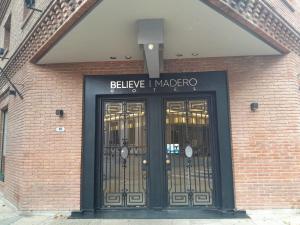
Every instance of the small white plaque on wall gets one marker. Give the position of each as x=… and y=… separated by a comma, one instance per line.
x=60, y=129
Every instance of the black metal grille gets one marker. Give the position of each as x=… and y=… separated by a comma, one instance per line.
x=124, y=154
x=188, y=153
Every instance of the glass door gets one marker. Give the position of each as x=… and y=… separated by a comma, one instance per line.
x=124, y=154
x=157, y=153
x=188, y=151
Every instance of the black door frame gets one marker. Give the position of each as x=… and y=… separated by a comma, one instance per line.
x=95, y=86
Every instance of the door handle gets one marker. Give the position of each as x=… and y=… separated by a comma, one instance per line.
x=168, y=161
x=144, y=164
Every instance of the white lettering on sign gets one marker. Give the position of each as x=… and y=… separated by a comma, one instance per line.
x=173, y=83
x=128, y=84
x=134, y=85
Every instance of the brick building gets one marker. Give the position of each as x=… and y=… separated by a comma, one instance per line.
x=150, y=104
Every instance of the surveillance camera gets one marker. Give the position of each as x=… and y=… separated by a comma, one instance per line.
x=29, y=3
x=2, y=50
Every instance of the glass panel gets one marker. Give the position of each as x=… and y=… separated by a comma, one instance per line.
x=188, y=157
x=124, y=149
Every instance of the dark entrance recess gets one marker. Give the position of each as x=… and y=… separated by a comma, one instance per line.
x=160, y=144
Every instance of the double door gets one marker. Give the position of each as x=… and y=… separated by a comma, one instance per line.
x=158, y=152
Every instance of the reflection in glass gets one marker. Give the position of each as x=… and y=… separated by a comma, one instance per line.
x=189, y=171
x=124, y=149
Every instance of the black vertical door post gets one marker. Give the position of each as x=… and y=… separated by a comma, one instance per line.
x=156, y=157
x=225, y=156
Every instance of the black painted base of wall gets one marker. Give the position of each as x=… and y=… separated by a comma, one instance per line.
x=160, y=214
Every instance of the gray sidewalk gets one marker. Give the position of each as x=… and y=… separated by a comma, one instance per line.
x=10, y=216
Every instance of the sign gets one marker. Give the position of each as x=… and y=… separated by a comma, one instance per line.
x=173, y=149
x=60, y=129
x=176, y=84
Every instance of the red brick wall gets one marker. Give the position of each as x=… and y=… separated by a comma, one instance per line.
x=16, y=139
x=266, y=143
x=43, y=166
